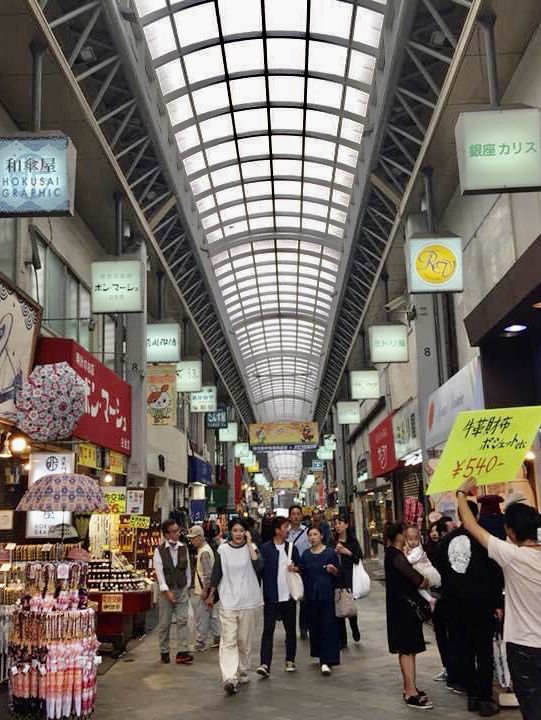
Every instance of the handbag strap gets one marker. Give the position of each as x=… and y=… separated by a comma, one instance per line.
x=289, y=551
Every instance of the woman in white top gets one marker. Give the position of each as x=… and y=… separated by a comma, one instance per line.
x=520, y=561
x=235, y=576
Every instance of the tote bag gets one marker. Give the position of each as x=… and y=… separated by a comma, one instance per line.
x=344, y=604
x=295, y=584
x=361, y=581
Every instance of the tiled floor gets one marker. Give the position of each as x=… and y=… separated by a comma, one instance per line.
x=366, y=685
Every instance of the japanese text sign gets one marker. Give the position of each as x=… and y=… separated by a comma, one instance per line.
x=189, y=375
x=488, y=445
x=135, y=502
x=141, y=522
x=382, y=450
x=230, y=433
x=364, y=384
x=241, y=449
x=37, y=175
x=216, y=420
x=284, y=435
x=117, y=286
x=112, y=602
x=388, y=343
x=434, y=264
x=499, y=150
x=204, y=400
x=163, y=342
x=115, y=497
x=349, y=412
x=40, y=524
x=107, y=417
x=162, y=395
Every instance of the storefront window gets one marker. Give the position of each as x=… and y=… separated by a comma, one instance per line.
x=8, y=246
x=378, y=511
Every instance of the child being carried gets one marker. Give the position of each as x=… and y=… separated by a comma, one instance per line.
x=419, y=560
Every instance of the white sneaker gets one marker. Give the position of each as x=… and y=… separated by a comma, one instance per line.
x=244, y=679
x=290, y=666
x=441, y=676
x=325, y=669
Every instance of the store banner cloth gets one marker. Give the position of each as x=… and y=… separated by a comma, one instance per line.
x=488, y=445
x=162, y=395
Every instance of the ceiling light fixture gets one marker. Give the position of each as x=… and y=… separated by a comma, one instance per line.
x=18, y=444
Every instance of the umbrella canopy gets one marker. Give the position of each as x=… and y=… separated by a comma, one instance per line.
x=69, y=493
x=51, y=402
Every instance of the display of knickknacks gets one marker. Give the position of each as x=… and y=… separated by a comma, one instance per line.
x=46, y=551
x=106, y=577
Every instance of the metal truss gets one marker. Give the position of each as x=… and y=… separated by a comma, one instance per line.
x=429, y=53
x=84, y=36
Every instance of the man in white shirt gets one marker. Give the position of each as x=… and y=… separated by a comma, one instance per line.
x=172, y=567
x=298, y=535
x=206, y=618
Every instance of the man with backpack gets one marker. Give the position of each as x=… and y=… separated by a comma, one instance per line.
x=206, y=619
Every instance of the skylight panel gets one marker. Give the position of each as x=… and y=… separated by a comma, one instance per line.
x=361, y=67
x=196, y=24
x=286, y=88
x=249, y=147
x=309, y=224
x=347, y=156
x=210, y=220
x=144, y=7
x=221, y=153
x=336, y=231
x=187, y=138
x=204, y=64
x=311, y=208
x=233, y=212
x=321, y=122
x=239, y=16
x=368, y=26
x=251, y=121
x=286, y=145
x=170, y=76
x=194, y=163
x=319, y=148
x=286, y=119
x=287, y=187
x=244, y=55
x=248, y=90
x=287, y=167
x=217, y=127
x=256, y=189
x=285, y=53
x=261, y=223
x=331, y=17
x=351, y=130
x=327, y=58
x=235, y=229
x=323, y=92
x=200, y=185
x=316, y=191
x=288, y=206
x=356, y=101
x=180, y=110
x=338, y=215
x=210, y=98
x=259, y=168
x=342, y=177
x=341, y=198
x=225, y=175
x=229, y=195
x=316, y=170
x=160, y=37
x=292, y=221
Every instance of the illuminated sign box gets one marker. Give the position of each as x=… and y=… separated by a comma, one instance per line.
x=230, y=433
x=37, y=175
x=204, y=400
x=364, y=384
x=216, y=420
x=324, y=453
x=349, y=413
x=241, y=449
x=499, y=150
x=163, y=343
x=388, y=343
x=434, y=264
x=117, y=286
x=189, y=376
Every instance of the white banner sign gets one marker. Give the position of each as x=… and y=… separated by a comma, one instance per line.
x=189, y=376
x=40, y=524
x=204, y=400
x=349, y=413
x=163, y=343
x=117, y=286
x=364, y=384
x=241, y=449
x=230, y=433
x=324, y=453
x=388, y=343
x=434, y=264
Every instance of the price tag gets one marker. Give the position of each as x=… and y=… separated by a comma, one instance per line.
x=112, y=602
x=11, y=546
x=140, y=521
x=5, y=567
x=63, y=571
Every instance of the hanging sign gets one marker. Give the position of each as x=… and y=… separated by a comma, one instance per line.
x=112, y=602
x=364, y=384
x=135, y=502
x=349, y=413
x=189, y=375
x=382, y=452
x=230, y=433
x=40, y=524
x=324, y=453
x=216, y=420
x=488, y=445
x=241, y=449
x=284, y=436
x=162, y=395
x=204, y=400
x=388, y=343
x=499, y=150
x=434, y=264
x=37, y=175
x=118, y=286
x=163, y=342
x=329, y=442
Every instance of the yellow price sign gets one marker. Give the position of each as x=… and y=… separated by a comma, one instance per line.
x=488, y=445
x=141, y=522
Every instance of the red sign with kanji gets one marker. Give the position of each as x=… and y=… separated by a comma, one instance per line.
x=382, y=453
x=107, y=418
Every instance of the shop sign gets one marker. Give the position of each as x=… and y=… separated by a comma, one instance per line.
x=230, y=433
x=317, y=465
x=112, y=602
x=463, y=391
x=349, y=412
x=107, y=417
x=162, y=395
x=248, y=459
x=6, y=519
x=89, y=456
x=140, y=522
x=382, y=452
x=388, y=343
x=284, y=436
x=499, y=150
x=253, y=468
x=37, y=175
x=488, y=445
x=285, y=484
x=163, y=342
x=117, y=286
x=241, y=449
x=40, y=524
x=329, y=442
x=20, y=319
x=434, y=264
x=324, y=453
x=135, y=502
x=115, y=462
x=406, y=430
x=115, y=497
x=364, y=384
x=216, y=420
x=199, y=471
x=189, y=375
x=204, y=400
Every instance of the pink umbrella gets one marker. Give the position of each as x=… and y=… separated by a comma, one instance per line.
x=51, y=402
x=67, y=493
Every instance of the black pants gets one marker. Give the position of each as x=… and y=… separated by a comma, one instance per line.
x=287, y=613
x=525, y=668
x=471, y=631
x=439, y=620
x=303, y=617
x=354, y=625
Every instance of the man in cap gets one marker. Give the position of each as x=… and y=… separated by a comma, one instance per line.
x=206, y=619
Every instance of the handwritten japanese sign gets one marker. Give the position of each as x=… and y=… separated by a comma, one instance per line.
x=364, y=384
x=163, y=342
x=112, y=602
x=117, y=286
x=488, y=445
x=189, y=375
x=107, y=418
x=115, y=497
x=141, y=522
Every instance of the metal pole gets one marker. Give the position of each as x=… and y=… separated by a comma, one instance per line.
x=488, y=20
x=37, y=48
x=161, y=277
x=119, y=326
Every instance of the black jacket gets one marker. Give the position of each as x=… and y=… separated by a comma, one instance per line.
x=270, y=559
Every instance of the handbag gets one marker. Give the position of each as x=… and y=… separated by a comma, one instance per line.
x=361, y=581
x=344, y=604
x=501, y=667
x=295, y=584
x=420, y=607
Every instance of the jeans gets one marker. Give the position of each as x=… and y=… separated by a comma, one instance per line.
x=525, y=668
x=286, y=612
x=167, y=610
x=206, y=621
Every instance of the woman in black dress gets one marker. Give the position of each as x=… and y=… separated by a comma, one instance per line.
x=404, y=627
x=349, y=551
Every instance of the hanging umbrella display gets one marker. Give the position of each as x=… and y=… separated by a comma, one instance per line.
x=51, y=402
x=67, y=493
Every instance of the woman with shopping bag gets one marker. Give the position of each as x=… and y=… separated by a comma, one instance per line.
x=350, y=553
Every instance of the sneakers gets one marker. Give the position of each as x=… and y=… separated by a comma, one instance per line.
x=230, y=687
x=184, y=658
x=290, y=666
x=488, y=708
x=244, y=679
x=441, y=676
x=165, y=659
x=200, y=647
x=325, y=670
x=263, y=671
x=215, y=643
x=457, y=689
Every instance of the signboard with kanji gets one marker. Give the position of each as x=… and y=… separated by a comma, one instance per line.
x=388, y=343
x=163, y=342
x=112, y=602
x=189, y=375
x=141, y=522
x=117, y=286
x=488, y=445
x=204, y=400
x=364, y=384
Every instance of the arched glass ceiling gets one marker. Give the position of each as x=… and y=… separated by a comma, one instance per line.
x=285, y=465
x=267, y=101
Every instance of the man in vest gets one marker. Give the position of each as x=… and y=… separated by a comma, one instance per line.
x=172, y=567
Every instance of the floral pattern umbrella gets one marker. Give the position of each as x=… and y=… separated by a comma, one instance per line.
x=51, y=402
x=68, y=492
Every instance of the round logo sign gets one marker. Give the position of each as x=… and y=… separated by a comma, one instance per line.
x=436, y=264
